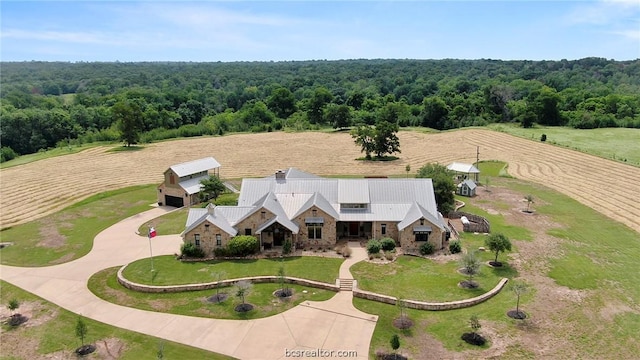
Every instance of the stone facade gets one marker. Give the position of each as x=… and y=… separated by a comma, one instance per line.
x=328, y=236
x=408, y=241
x=208, y=237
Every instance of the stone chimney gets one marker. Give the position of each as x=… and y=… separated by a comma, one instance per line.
x=281, y=175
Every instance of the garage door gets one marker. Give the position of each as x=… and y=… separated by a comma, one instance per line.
x=173, y=201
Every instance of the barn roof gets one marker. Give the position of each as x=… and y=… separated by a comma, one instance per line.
x=195, y=166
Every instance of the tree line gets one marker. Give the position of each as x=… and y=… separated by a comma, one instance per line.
x=48, y=104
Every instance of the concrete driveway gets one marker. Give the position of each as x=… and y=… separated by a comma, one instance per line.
x=333, y=325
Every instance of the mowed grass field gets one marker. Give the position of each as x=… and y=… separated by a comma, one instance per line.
x=620, y=144
x=36, y=189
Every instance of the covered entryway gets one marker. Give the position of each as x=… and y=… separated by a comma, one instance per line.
x=173, y=201
x=273, y=234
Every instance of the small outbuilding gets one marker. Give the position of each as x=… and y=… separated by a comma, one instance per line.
x=464, y=171
x=467, y=188
x=181, y=185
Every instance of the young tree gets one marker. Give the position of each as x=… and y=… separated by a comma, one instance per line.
x=471, y=266
x=13, y=305
x=395, y=344
x=242, y=289
x=443, y=185
x=282, y=280
x=211, y=188
x=407, y=169
x=218, y=276
x=519, y=289
x=81, y=330
x=473, y=337
x=530, y=201
x=160, y=352
x=497, y=243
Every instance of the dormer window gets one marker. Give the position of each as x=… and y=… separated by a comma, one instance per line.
x=314, y=213
x=263, y=215
x=421, y=221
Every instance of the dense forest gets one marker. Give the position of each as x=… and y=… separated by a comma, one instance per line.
x=45, y=104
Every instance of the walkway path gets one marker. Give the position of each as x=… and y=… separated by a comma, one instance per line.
x=331, y=325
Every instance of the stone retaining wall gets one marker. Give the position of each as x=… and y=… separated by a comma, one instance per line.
x=421, y=305
x=211, y=285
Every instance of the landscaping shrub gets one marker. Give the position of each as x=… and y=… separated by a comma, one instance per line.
x=286, y=247
x=220, y=252
x=455, y=247
x=7, y=153
x=373, y=246
x=388, y=244
x=388, y=256
x=190, y=250
x=426, y=248
x=243, y=245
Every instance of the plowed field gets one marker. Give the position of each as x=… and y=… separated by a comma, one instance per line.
x=36, y=189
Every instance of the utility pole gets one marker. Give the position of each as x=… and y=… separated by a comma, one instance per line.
x=477, y=159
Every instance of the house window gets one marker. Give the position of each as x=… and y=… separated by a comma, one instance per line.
x=247, y=231
x=314, y=231
x=383, y=229
x=314, y=213
x=196, y=238
x=172, y=180
x=263, y=215
x=422, y=236
x=218, y=240
x=160, y=190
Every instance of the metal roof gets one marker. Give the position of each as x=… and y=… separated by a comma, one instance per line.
x=211, y=214
x=195, y=166
x=293, y=173
x=353, y=191
x=469, y=183
x=402, y=200
x=192, y=186
x=463, y=168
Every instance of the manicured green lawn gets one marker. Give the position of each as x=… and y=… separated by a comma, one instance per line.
x=169, y=271
x=597, y=259
x=69, y=234
x=170, y=223
x=194, y=303
x=58, y=333
x=492, y=168
x=612, y=143
x=423, y=279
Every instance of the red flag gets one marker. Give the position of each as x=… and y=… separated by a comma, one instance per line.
x=152, y=232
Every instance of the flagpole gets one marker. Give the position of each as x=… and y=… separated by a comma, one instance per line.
x=150, y=250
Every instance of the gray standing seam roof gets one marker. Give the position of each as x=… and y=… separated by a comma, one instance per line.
x=195, y=166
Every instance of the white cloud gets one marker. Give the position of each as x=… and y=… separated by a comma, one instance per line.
x=604, y=12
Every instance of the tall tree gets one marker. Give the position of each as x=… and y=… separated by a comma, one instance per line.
x=498, y=243
x=128, y=115
x=339, y=116
x=211, y=188
x=321, y=97
x=364, y=136
x=386, y=139
x=434, y=113
x=282, y=102
x=443, y=185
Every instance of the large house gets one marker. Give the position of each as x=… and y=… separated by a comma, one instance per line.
x=312, y=211
x=181, y=185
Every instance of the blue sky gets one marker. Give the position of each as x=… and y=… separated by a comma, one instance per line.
x=305, y=30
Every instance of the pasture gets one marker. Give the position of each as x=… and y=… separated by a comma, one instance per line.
x=36, y=189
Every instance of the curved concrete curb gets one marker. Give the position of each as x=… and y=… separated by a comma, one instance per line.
x=211, y=285
x=421, y=305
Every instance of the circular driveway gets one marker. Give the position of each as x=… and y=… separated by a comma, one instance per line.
x=333, y=325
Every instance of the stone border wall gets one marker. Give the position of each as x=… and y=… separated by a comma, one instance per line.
x=211, y=285
x=477, y=222
x=421, y=305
